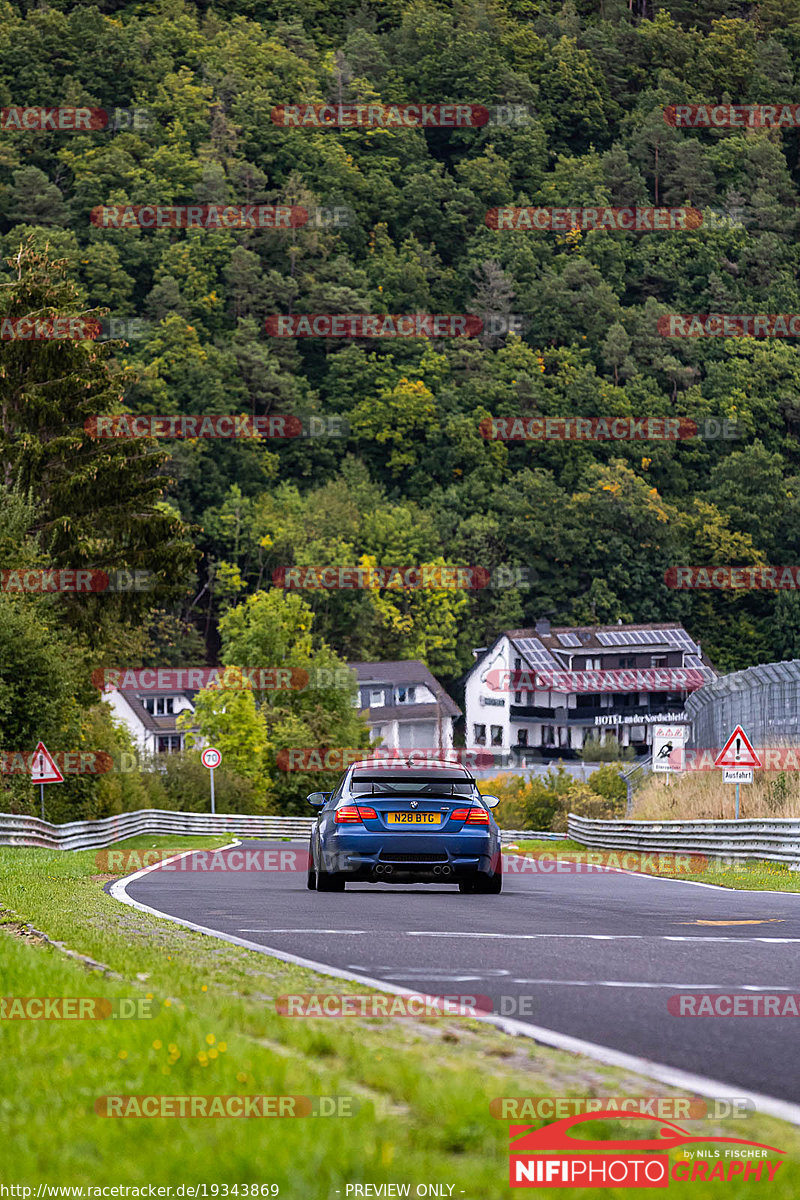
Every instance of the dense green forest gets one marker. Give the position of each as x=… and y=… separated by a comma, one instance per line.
x=594, y=525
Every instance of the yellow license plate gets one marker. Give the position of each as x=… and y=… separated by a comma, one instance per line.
x=413, y=818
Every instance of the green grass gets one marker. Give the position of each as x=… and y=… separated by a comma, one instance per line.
x=423, y=1086
x=750, y=874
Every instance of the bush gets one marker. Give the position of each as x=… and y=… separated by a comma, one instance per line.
x=594, y=751
x=544, y=802
x=527, y=804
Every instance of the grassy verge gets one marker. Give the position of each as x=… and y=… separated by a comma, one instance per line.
x=750, y=875
x=423, y=1086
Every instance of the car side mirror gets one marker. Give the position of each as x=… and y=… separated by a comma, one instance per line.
x=491, y=801
x=317, y=799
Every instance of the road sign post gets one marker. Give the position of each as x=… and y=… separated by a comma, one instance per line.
x=738, y=760
x=44, y=770
x=669, y=744
x=211, y=758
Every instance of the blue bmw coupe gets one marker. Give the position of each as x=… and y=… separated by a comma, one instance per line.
x=405, y=824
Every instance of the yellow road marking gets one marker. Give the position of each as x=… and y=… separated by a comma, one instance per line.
x=762, y=921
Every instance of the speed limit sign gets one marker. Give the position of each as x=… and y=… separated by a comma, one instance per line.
x=211, y=758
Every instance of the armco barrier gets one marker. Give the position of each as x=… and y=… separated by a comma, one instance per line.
x=94, y=835
x=775, y=840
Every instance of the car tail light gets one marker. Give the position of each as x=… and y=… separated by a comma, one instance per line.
x=472, y=816
x=351, y=814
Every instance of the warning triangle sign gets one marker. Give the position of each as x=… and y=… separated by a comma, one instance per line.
x=737, y=751
x=43, y=767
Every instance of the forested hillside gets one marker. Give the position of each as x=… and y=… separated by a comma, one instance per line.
x=414, y=481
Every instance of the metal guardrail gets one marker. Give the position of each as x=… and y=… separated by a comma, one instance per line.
x=92, y=835
x=775, y=840
x=95, y=835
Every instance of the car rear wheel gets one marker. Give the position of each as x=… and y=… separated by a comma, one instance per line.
x=330, y=881
x=489, y=885
x=311, y=881
x=467, y=886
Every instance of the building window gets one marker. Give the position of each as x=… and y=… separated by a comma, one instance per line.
x=406, y=695
x=517, y=664
x=497, y=735
x=522, y=737
x=479, y=735
x=658, y=660
x=169, y=744
x=548, y=736
x=159, y=706
x=375, y=698
x=592, y=664
x=376, y=733
x=627, y=662
x=518, y=697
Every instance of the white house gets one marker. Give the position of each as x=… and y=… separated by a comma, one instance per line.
x=151, y=718
x=538, y=693
x=405, y=705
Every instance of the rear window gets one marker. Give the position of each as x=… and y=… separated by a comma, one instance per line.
x=383, y=785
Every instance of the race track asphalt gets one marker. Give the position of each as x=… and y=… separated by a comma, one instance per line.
x=592, y=955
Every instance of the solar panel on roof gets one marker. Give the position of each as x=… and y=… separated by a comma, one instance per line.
x=536, y=654
x=569, y=639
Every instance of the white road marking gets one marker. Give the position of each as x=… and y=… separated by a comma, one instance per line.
x=420, y=973
x=532, y=937
x=702, y=1085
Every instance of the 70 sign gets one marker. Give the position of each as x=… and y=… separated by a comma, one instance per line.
x=211, y=758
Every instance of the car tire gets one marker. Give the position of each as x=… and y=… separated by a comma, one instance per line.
x=311, y=879
x=490, y=885
x=330, y=881
x=466, y=886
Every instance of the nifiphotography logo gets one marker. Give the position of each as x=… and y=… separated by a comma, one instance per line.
x=551, y=1157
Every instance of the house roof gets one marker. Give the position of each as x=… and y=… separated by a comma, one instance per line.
x=402, y=673
x=553, y=648
x=153, y=724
